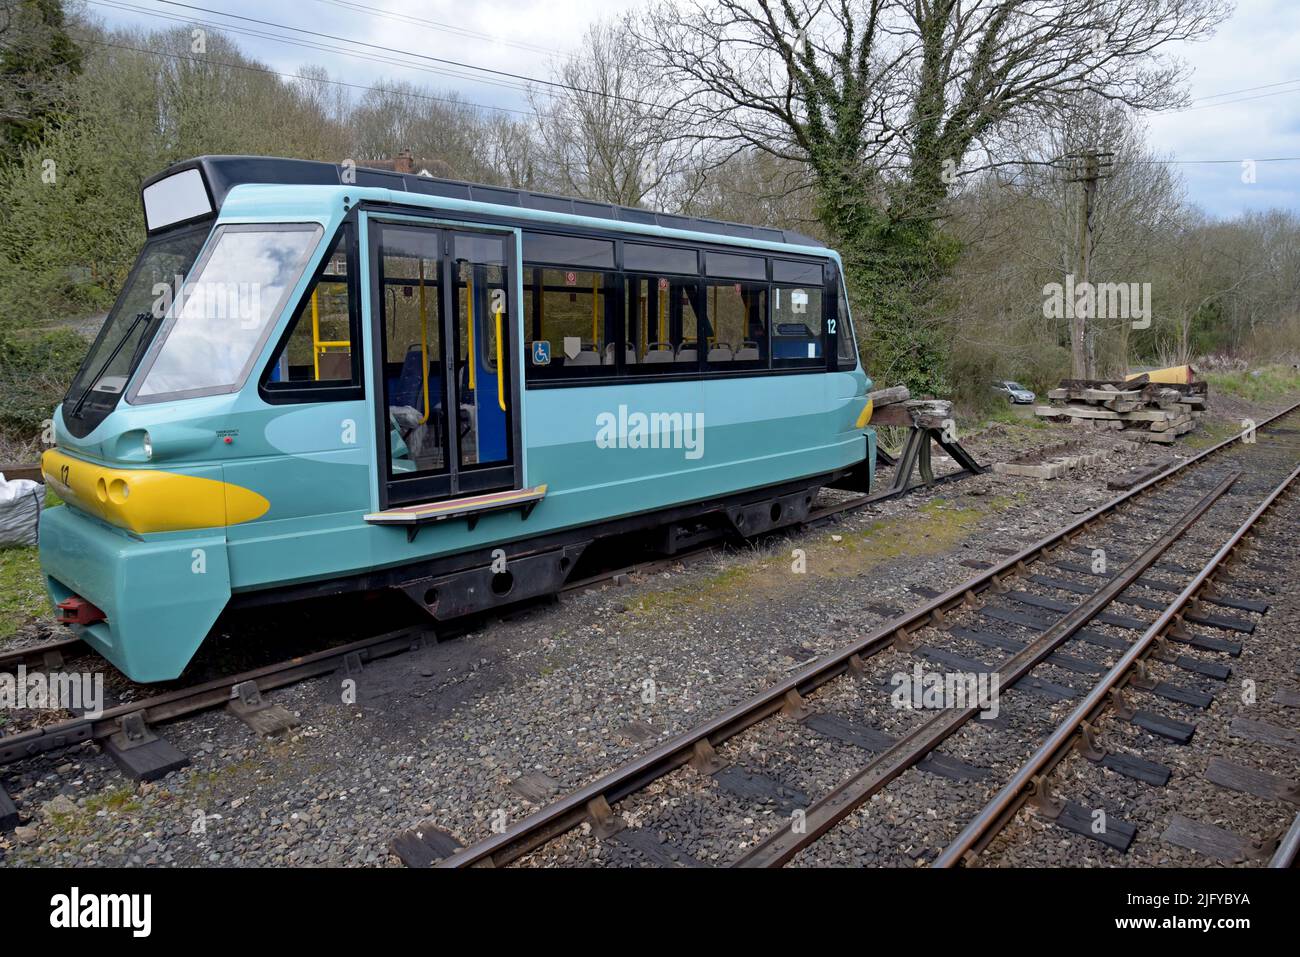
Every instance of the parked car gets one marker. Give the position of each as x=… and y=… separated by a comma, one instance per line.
x=1016, y=393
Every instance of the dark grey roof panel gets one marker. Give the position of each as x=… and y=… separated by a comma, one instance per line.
x=224, y=173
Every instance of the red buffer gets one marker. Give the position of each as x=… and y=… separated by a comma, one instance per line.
x=78, y=611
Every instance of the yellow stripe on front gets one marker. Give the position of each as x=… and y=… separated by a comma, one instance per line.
x=149, y=500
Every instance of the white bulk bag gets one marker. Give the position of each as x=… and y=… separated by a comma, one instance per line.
x=21, y=502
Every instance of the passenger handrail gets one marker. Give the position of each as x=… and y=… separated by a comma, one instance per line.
x=501, y=372
x=424, y=348
x=315, y=336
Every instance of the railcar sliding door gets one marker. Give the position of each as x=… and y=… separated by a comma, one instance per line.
x=444, y=305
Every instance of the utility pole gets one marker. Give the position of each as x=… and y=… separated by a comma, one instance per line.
x=1088, y=167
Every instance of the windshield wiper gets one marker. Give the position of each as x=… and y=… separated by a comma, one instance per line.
x=103, y=367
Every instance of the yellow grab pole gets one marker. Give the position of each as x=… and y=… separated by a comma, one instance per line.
x=315, y=336
x=663, y=301
x=501, y=372
x=424, y=347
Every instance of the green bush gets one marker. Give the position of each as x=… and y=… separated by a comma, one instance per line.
x=35, y=371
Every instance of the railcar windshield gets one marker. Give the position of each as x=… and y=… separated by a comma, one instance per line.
x=131, y=324
x=212, y=334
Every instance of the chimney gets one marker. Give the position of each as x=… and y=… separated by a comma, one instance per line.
x=404, y=162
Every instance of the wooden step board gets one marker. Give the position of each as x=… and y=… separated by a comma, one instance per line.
x=413, y=516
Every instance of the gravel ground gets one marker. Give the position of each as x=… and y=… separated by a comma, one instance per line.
x=478, y=731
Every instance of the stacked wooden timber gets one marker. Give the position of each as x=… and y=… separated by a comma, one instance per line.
x=895, y=406
x=1141, y=410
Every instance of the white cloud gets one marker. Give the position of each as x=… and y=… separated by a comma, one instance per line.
x=1259, y=45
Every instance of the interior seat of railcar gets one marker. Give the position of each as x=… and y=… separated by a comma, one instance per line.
x=629, y=355
x=659, y=352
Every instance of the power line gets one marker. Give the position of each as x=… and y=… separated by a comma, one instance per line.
x=302, y=79
x=1245, y=89
x=304, y=44
x=555, y=84
x=1270, y=159
x=1243, y=99
x=441, y=27
x=524, y=78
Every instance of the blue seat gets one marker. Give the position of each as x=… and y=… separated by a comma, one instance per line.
x=409, y=387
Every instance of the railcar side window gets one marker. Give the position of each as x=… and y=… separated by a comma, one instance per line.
x=797, y=327
x=594, y=311
x=738, y=322
x=796, y=273
x=660, y=259
x=663, y=325
x=321, y=349
x=576, y=252
x=213, y=332
x=565, y=313
x=847, y=348
x=729, y=266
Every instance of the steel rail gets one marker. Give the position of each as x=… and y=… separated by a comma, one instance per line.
x=782, y=845
x=1287, y=848
x=1003, y=805
x=184, y=701
x=40, y=654
x=567, y=813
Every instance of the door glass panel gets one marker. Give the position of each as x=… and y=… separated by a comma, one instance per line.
x=483, y=369
x=411, y=321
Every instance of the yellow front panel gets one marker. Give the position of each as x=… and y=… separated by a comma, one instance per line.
x=149, y=500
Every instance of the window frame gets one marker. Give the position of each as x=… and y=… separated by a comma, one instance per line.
x=602, y=375
x=763, y=365
x=844, y=322
x=164, y=333
x=315, y=391
x=674, y=369
x=610, y=293
x=800, y=363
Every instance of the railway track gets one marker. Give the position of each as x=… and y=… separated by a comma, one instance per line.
x=1080, y=730
x=1072, y=636
x=130, y=723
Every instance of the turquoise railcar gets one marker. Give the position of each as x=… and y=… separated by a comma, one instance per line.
x=320, y=377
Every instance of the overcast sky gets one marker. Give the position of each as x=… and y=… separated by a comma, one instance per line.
x=1257, y=52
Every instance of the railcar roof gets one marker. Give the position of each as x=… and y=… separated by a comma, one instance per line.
x=224, y=173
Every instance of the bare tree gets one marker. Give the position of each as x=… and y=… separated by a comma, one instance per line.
x=885, y=100
x=605, y=132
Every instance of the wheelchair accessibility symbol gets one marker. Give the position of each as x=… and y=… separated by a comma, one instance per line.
x=541, y=353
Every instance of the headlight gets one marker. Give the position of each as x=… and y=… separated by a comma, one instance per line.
x=147, y=443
